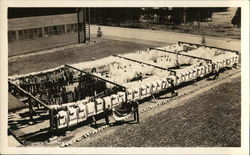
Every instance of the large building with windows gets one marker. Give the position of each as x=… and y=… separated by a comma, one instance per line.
x=30, y=34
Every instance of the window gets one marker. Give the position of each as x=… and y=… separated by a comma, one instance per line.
x=12, y=36
x=20, y=34
x=54, y=30
x=71, y=28
x=25, y=34
x=48, y=31
x=60, y=29
x=31, y=34
x=38, y=32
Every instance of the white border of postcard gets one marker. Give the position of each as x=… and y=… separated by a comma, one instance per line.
x=244, y=4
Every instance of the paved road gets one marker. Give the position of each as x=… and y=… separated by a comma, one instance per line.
x=132, y=35
x=117, y=33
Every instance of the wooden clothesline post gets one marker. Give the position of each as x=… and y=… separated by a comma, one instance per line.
x=30, y=97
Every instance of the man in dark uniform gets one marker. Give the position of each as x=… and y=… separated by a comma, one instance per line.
x=136, y=111
x=171, y=81
x=215, y=72
x=107, y=113
x=139, y=76
x=134, y=106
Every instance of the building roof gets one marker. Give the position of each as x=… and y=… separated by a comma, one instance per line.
x=41, y=21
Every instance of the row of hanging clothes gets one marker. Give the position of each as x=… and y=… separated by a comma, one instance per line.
x=61, y=86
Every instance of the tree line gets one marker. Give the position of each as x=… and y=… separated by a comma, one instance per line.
x=117, y=16
x=169, y=16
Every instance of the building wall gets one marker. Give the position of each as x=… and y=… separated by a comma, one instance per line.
x=28, y=46
x=42, y=32
x=35, y=22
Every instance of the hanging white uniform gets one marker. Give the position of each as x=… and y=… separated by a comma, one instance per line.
x=107, y=102
x=136, y=94
x=91, y=109
x=143, y=91
x=114, y=100
x=149, y=88
x=99, y=105
x=62, y=119
x=121, y=97
x=72, y=112
x=129, y=95
x=82, y=113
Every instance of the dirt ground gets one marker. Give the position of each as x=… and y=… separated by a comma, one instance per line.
x=99, y=49
x=208, y=120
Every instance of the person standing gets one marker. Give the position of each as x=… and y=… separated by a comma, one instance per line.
x=215, y=71
x=107, y=113
x=99, y=32
x=203, y=40
x=171, y=81
x=135, y=109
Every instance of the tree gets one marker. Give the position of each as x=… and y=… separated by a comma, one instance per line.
x=177, y=16
x=117, y=16
x=236, y=20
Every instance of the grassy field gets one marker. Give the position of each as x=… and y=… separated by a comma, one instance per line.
x=208, y=120
x=206, y=28
x=101, y=48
